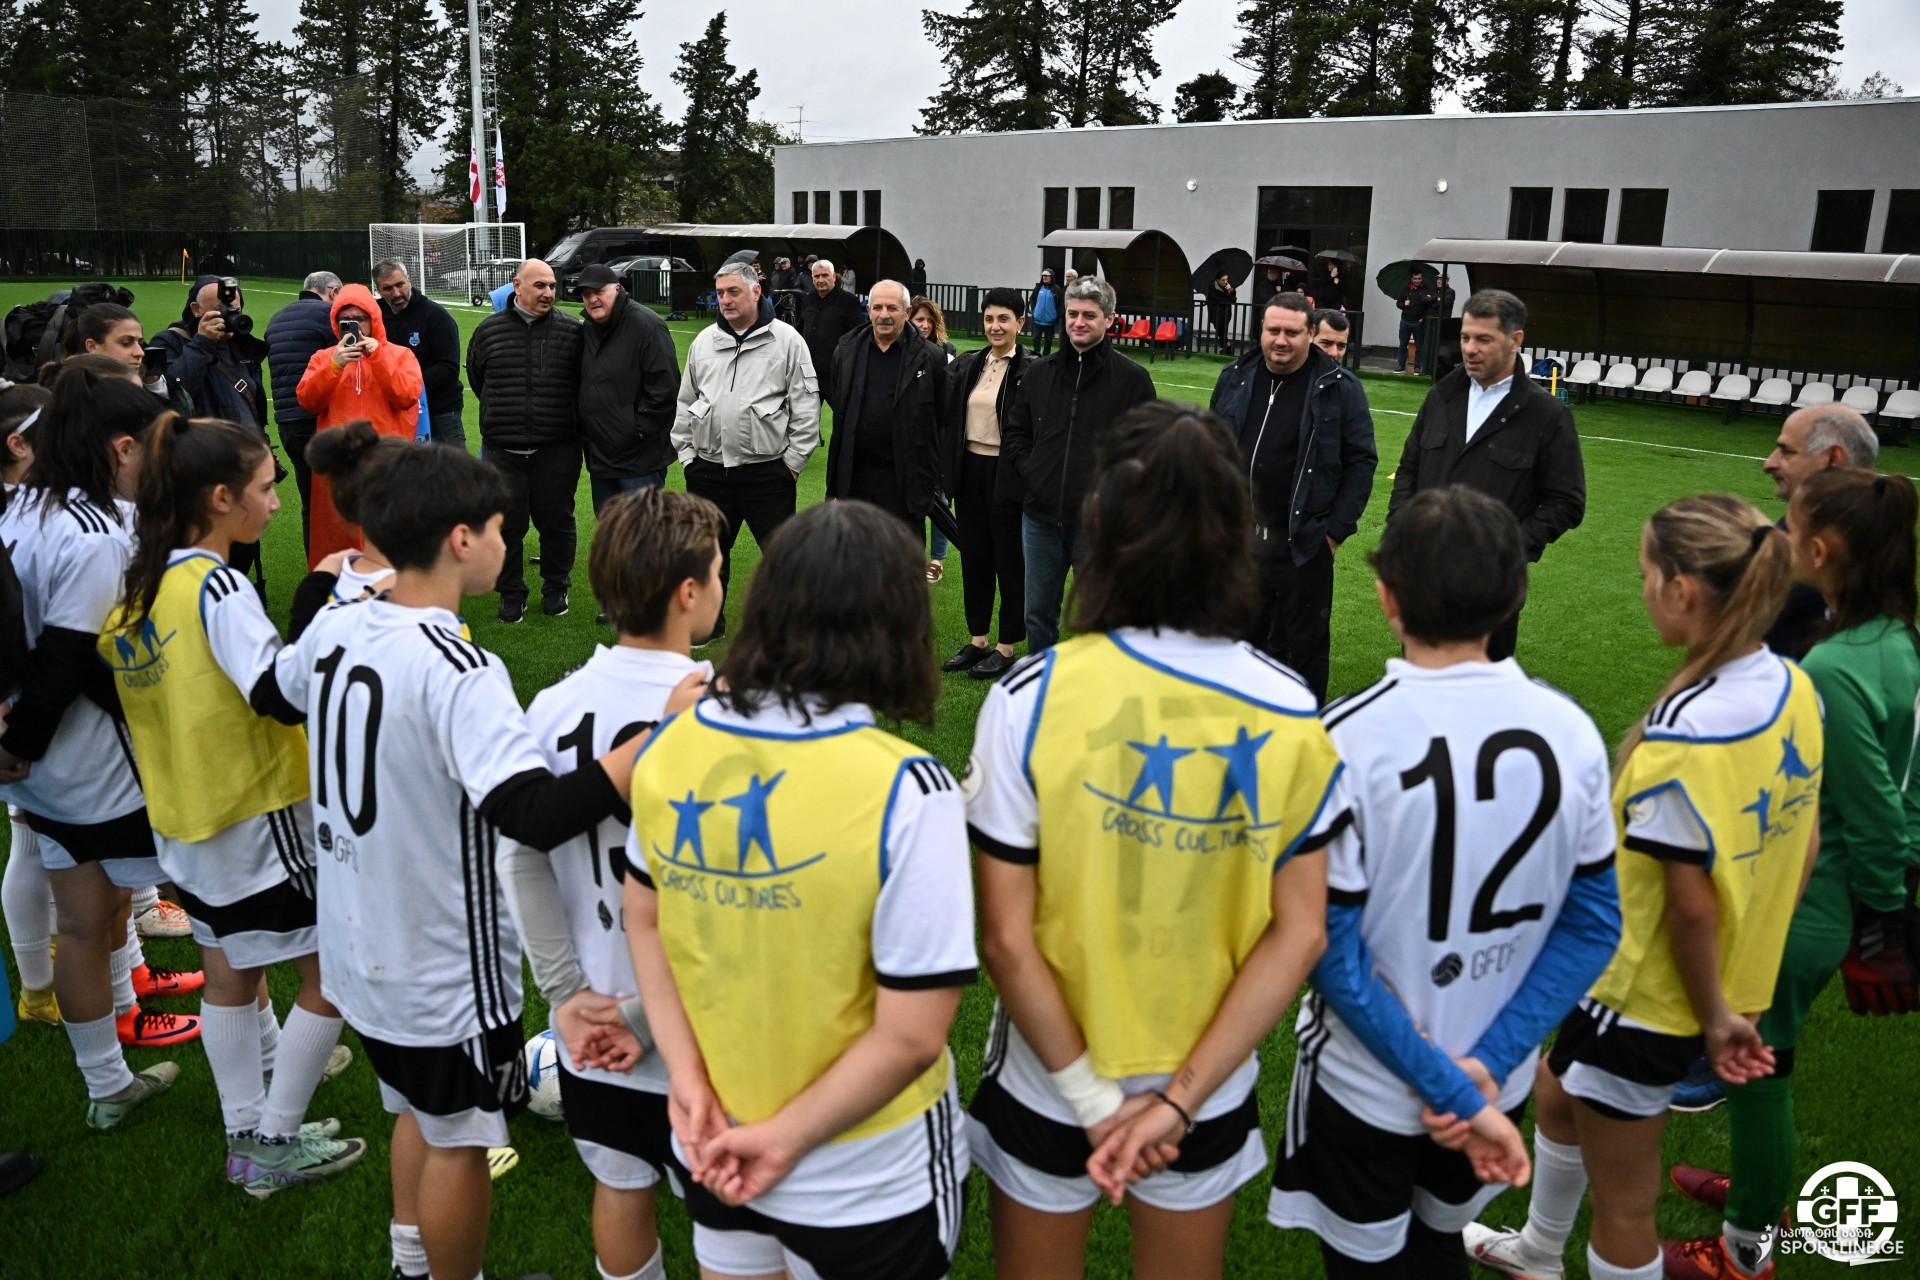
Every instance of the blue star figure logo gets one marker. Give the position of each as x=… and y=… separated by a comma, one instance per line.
x=1156, y=771
x=1791, y=763
x=1243, y=772
x=1762, y=810
x=752, y=804
x=687, y=830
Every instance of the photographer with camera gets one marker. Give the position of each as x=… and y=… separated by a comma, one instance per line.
x=361, y=378
x=212, y=353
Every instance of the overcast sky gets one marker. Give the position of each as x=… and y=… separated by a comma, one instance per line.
x=864, y=68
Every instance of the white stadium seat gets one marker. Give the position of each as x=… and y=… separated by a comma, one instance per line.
x=1862, y=399
x=1736, y=387
x=1585, y=374
x=1656, y=381
x=1902, y=406
x=1696, y=382
x=1774, y=391
x=1814, y=393
x=1621, y=377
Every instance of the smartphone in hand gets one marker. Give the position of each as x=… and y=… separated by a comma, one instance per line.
x=350, y=332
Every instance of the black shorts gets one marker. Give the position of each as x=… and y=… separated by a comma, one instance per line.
x=908, y=1247
x=1061, y=1150
x=616, y=1128
x=1358, y=1187
x=276, y=924
x=1623, y=1071
x=462, y=1095
x=128, y=836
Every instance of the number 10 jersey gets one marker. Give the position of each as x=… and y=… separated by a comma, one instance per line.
x=1478, y=796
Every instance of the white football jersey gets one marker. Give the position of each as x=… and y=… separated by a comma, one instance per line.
x=619, y=692
x=72, y=564
x=409, y=728
x=359, y=578
x=1477, y=795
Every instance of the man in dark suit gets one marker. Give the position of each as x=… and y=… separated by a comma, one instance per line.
x=1490, y=427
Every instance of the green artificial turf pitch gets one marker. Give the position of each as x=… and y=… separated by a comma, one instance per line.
x=149, y=1199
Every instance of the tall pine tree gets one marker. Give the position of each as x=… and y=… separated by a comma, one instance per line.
x=403, y=46
x=1107, y=60
x=996, y=54
x=717, y=146
x=1510, y=68
x=1207, y=97
x=1281, y=45
x=1712, y=52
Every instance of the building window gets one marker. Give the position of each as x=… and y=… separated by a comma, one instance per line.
x=1528, y=212
x=1583, y=216
x=1120, y=208
x=870, y=208
x=1840, y=221
x=1903, y=223
x=1086, y=207
x=1643, y=215
x=1305, y=221
x=823, y=206
x=799, y=206
x=1053, y=215
x=850, y=208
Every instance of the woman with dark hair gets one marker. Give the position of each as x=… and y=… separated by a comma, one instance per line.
x=63, y=761
x=236, y=841
x=1137, y=975
x=109, y=329
x=800, y=879
x=1853, y=538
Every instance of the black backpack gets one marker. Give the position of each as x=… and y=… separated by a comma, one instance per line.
x=34, y=330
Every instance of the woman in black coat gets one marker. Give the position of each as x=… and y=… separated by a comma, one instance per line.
x=1220, y=299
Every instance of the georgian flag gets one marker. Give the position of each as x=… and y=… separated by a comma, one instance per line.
x=473, y=175
x=499, y=174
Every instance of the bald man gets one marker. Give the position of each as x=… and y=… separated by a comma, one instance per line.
x=524, y=365
x=888, y=388
x=1811, y=441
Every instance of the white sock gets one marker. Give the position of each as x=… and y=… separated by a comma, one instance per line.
x=126, y=958
x=1598, y=1268
x=655, y=1269
x=144, y=898
x=232, y=1040
x=409, y=1255
x=269, y=1036
x=26, y=899
x=1559, y=1184
x=1749, y=1251
x=307, y=1043
x=96, y=1050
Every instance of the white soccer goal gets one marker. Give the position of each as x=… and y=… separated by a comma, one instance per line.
x=463, y=261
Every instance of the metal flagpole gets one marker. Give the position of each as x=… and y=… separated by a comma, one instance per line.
x=479, y=123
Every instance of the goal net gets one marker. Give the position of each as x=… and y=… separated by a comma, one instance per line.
x=462, y=261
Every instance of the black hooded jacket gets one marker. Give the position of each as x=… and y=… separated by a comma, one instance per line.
x=629, y=378
x=1067, y=403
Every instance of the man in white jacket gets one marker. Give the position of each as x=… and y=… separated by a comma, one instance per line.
x=749, y=413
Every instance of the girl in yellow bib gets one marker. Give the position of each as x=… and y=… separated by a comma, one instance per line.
x=224, y=765
x=799, y=914
x=1716, y=791
x=1150, y=800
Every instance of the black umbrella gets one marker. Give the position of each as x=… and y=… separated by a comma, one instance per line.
x=943, y=519
x=1339, y=255
x=745, y=255
x=1235, y=264
x=1290, y=251
x=1392, y=278
x=1281, y=261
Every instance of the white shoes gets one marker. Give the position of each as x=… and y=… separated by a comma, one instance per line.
x=1504, y=1251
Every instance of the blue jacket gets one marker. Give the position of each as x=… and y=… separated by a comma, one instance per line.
x=1333, y=472
x=295, y=332
x=224, y=378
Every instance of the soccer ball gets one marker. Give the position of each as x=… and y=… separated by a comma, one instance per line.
x=543, y=1076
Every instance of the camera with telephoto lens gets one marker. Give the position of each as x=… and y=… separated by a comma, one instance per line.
x=237, y=321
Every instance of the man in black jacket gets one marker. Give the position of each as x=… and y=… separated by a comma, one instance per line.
x=425, y=328
x=1067, y=403
x=827, y=314
x=1307, y=436
x=1414, y=302
x=1489, y=427
x=295, y=332
x=888, y=391
x=629, y=379
x=524, y=364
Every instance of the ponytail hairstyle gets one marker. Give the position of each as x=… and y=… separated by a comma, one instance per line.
x=73, y=442
x=1742, y=562
x=94, y=324
x=1874, y=517
x=348, y=456
x=1169, y=528
x=182, y=463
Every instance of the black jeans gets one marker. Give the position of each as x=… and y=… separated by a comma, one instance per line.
x=543, y=482
x=990, y=552
x=760, y=495
x=294, y=439
x=1043, y=337
x=1296, y=603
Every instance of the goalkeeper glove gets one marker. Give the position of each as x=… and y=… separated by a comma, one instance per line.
x=1880, y=971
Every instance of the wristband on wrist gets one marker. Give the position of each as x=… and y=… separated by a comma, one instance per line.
x=1186, y=1118
x=1091, y=1096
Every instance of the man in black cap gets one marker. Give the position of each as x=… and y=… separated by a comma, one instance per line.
x=629, y=380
